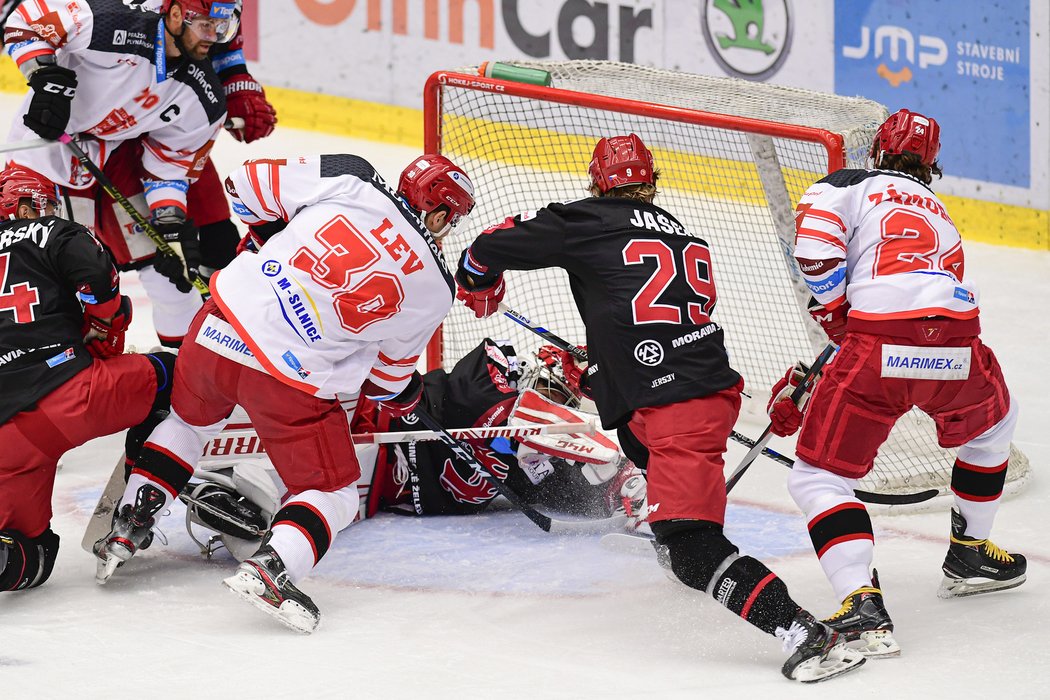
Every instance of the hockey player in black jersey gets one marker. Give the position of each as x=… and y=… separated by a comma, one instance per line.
x=63, y=377
x=644, y=288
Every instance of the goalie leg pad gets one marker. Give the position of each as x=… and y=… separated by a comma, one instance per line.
x=26, y=562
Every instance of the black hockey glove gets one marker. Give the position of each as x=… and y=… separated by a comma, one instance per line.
x=184, y=238
x=53, y=90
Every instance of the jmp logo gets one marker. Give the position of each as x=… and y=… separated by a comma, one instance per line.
x=271, y=268
x=649, y=352
x=749, y=38
x=896, y=46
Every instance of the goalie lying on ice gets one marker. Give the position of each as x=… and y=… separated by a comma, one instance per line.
x=235, y=495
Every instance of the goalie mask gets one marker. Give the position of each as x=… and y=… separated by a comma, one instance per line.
x=547, y=378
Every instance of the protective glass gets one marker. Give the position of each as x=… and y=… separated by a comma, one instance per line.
x=220, y=30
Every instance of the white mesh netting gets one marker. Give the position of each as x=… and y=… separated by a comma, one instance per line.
x=730, y=183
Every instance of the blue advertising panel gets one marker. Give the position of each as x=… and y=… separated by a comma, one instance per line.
x=963, y=62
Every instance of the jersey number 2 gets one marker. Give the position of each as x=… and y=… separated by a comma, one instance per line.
x=696, y=266
x=346, y=251
x=20, y=299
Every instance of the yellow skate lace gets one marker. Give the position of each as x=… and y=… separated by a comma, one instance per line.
x=990, y=549
x=847, y=604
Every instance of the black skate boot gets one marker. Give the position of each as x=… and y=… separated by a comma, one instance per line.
x=817, y=651
x=864, y=623
x=978, y=566
x=263, y=582
x=132, y=530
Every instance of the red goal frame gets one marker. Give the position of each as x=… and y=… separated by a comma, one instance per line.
x=833, y=143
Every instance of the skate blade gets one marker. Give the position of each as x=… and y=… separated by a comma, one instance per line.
x=837, y=661
x=104, y=568
x=876, y=644
x=290, y=614
x=963, y=587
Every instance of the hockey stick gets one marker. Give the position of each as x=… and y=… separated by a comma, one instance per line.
x=581, y=355
x=756, y=446
x=544, y=522
x=561, y=343
x=136, y=216
x=25, y=145
x=803, y=386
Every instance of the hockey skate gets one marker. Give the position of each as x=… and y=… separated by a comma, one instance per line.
x=263, y=581
x=978, y=566
x=864, y=623
x=817, y=652
x=132, y=530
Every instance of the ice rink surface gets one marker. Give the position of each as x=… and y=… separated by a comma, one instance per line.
x=491, y=607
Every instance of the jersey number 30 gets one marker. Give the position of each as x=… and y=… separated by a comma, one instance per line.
x=346, y=251
x=696, y=268
x=20, y=299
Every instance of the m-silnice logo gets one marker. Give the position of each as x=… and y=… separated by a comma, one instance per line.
x=749, y=38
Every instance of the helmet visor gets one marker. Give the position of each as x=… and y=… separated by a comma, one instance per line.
x=219, y=29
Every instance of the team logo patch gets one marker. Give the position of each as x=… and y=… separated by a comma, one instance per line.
x=908, y=362
x=649, y=353
x=271, y=268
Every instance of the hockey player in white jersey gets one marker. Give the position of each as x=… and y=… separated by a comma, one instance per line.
x=139, y=89
x=885, y=264
x=346, y=289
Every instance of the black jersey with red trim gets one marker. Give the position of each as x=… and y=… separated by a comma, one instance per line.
x=643, y=285
x=45, y=265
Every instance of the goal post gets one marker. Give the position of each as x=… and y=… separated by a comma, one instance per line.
x=734, y=157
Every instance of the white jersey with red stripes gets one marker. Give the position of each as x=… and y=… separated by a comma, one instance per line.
x=126, y=89
x=350, y=290
x=883, y=241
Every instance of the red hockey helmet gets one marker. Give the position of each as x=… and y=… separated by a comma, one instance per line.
x=215, y=20
x=18, y=183
x=621, y=160
x=908, y=132
x=432, y=180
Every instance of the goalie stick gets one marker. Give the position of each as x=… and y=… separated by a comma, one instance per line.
x=544, y=522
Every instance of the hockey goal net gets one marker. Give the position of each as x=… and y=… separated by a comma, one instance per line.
x=734, y=157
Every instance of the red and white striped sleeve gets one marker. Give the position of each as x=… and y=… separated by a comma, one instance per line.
x=42, y=27
x=821, y=236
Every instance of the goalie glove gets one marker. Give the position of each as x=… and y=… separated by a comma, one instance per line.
x=104, y=337
x=785, y=415
x=832, y=321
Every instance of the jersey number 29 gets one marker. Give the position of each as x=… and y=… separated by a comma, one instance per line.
x=696, y=267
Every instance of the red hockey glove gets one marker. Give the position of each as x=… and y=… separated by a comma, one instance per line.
x=785, y=415
x=483, y=302
x=575, y=372
x=833, y=322
x=251, y=243
x=104, y=337
x=245, y=99
x=400, y=405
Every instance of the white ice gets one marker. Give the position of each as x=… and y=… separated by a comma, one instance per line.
x=491, y=607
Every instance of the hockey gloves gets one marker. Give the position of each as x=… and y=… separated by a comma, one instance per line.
x=833, y=322
x=575, y=372
x=400, y=405
x=246, y=100
x=104, y=337
x=184, y=238
x=483, y=302
x=53, y=90
x=785, y=416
